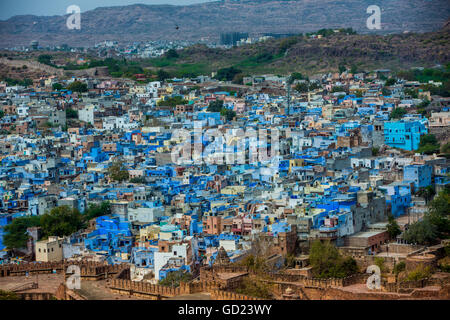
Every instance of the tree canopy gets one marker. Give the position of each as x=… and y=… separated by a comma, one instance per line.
x=398, y=113
x=172, y=101
x=15, y=232
x=392, y=227
x=227, y=74
x=435, y=224
x=215, y=106
x=327, y=262
x=61, y=221
x=428, y=144
x=97, y=210
x=175, y=277
x=172, y=54
x=118, y=172
x=57, y=86
x=77, y=86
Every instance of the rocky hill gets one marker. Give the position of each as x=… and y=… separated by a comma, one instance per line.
x=208, y=20
x=299, y=53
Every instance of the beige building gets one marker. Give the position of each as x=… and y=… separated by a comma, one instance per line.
x=49, y=250
x=440, y=119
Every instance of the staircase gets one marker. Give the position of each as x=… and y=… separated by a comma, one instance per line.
x=25, y=286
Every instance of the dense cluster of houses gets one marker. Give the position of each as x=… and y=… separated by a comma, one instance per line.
x=322, y=180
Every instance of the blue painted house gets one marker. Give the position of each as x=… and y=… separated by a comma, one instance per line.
x=420, y=174
x=404, y=134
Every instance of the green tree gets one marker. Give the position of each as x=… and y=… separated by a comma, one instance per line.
x=172, y=54
x=77, y=86
x=379, y=262
x=71, y=113
x=327, y=262
x=8, y=295
x=163, y=75
x=57, y=86
x=427, y=193
x=2, y=114
x=386, y=92
x=428, y=144
x=26, y=82
x=15, y=232
x=172, y=101
x=419, y=273
x=435, y=224
x=285, y=44
x=257, y=289
x=392, y=227
x=359, y=93
x=411, y=93
x=227, y=74
x=438, y=213
x=421, y=232
x=302, y=87
x=228, y=114
x=174, y=278
x=45, y=59
x=398, y=113
x=61, y=221
x=297, y=76
x=97, y=210
x=256, y=264
x=445, y=149
x=215, y=106
x=118, y=172
x=238, y=78
x=390, y=82
x=399, y=267
x=338, y=89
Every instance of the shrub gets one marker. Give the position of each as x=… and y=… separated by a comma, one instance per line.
x=419, y=273
x=256, y=289
x=8, y=295
x=327, y=262
x=399, y=267
x=175, y=277
x=379, y=261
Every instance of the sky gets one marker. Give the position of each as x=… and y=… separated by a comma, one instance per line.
x=9, y=8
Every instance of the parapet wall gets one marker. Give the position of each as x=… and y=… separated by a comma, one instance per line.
x=227, y=295
x=63, y=293
x=88, y=270
x=122, y=284
x=316, y=282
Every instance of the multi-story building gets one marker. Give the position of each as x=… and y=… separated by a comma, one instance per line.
x=404, y=134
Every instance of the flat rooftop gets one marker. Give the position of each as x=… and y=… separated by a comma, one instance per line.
x=366, y=234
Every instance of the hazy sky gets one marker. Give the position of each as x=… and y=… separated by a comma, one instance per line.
x=9, y=8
